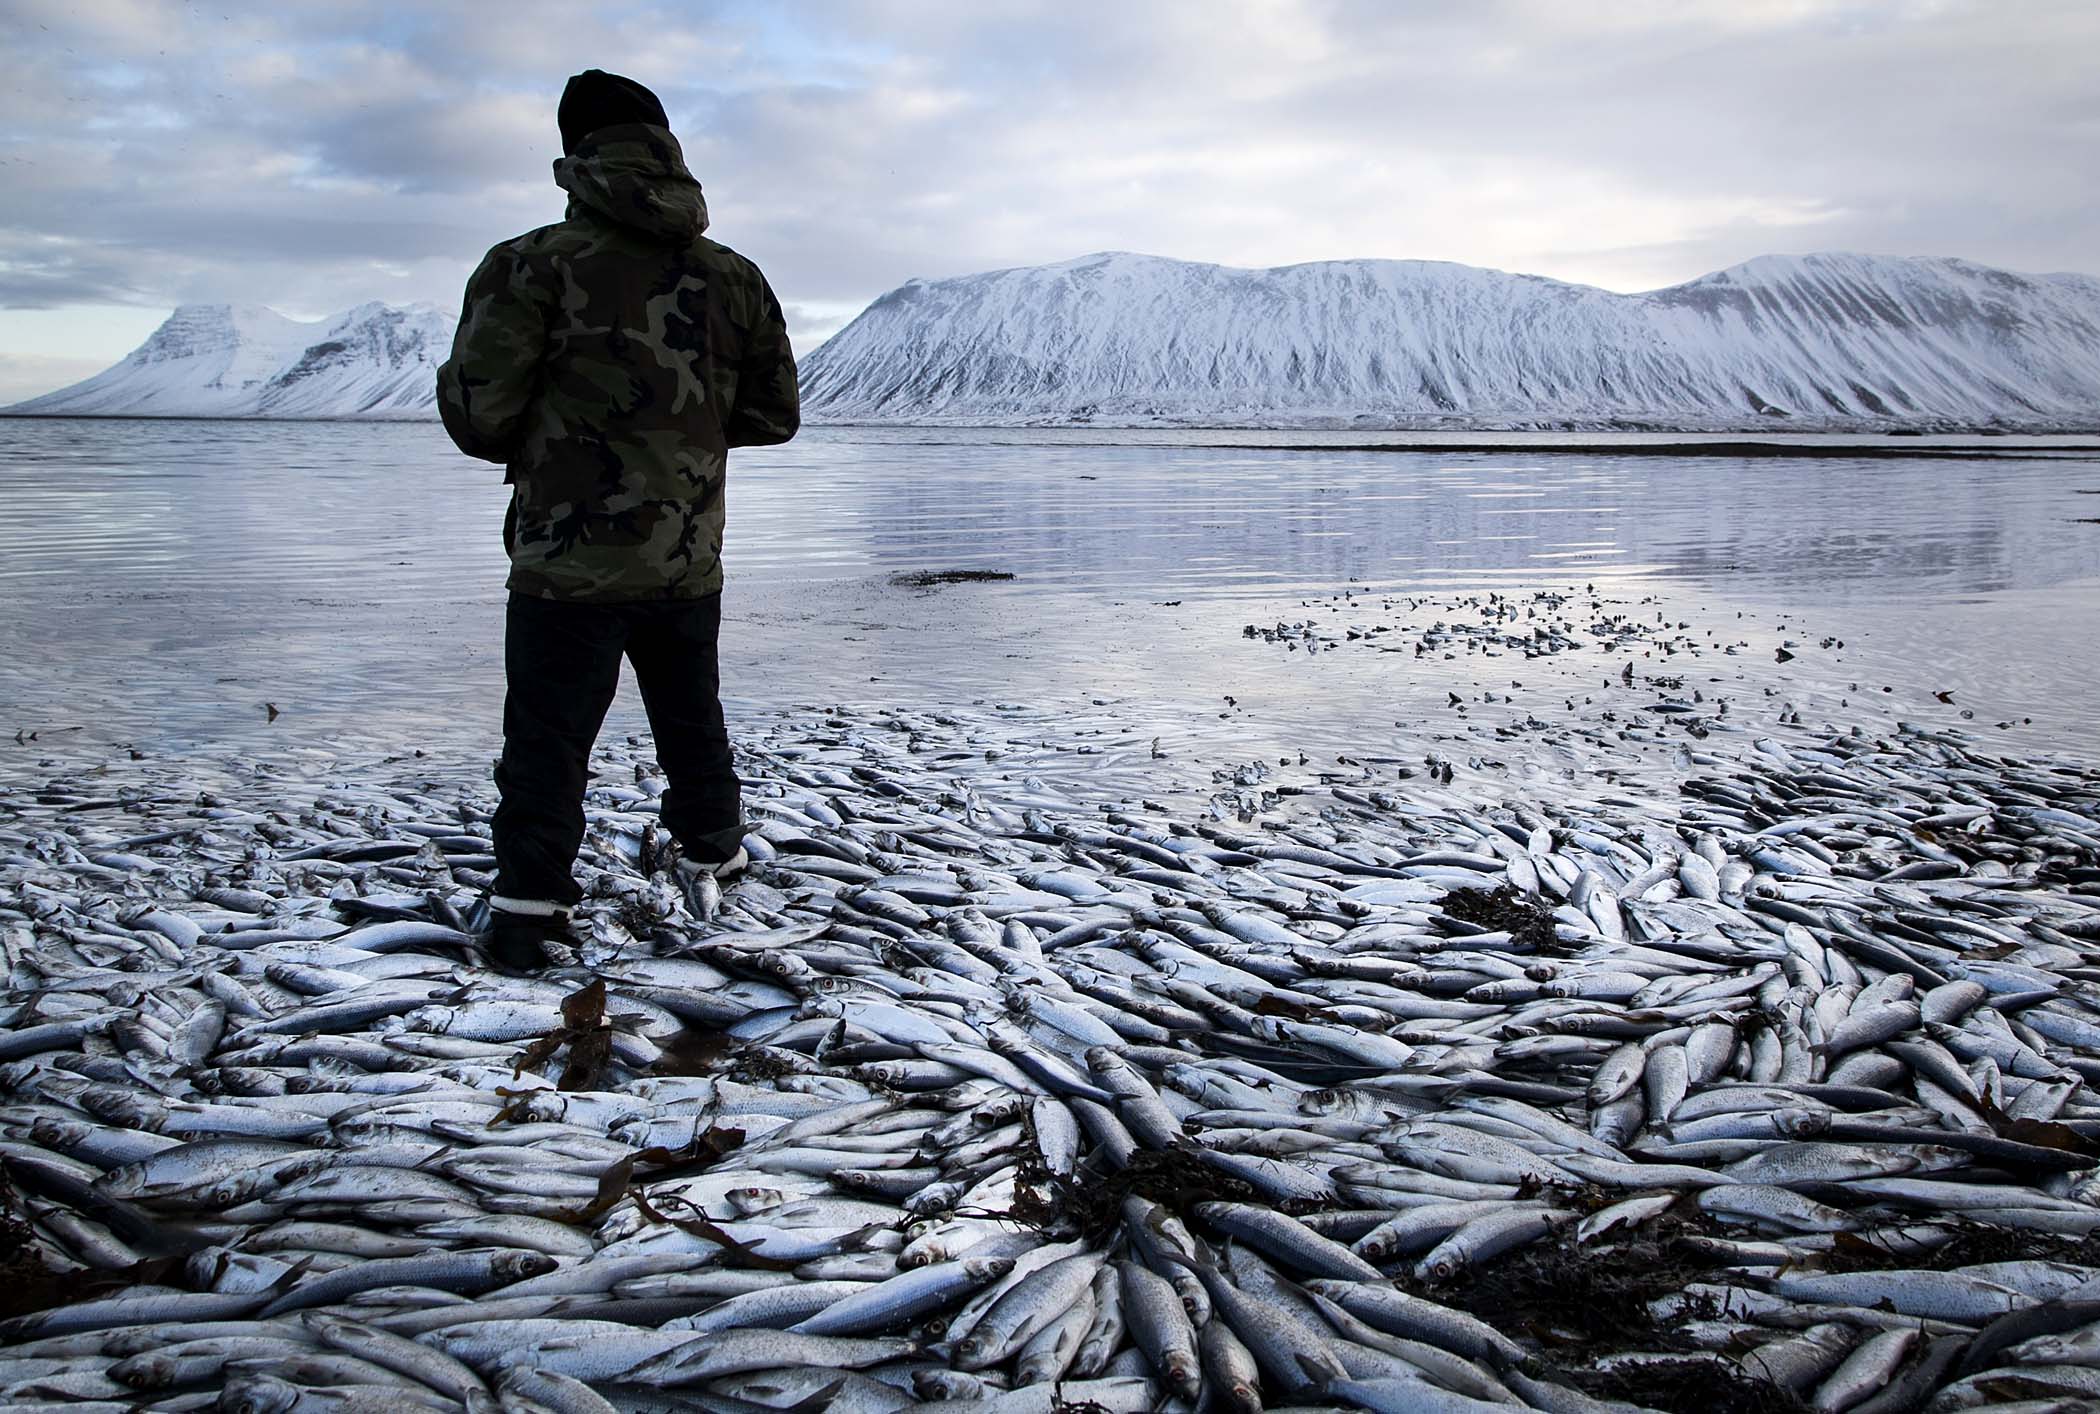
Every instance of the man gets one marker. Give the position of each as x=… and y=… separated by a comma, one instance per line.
x=610, y=361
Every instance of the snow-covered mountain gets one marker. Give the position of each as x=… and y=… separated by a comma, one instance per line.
x=1779, y=341
x=217, y=360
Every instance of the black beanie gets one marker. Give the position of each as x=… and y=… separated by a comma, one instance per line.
x=595, y=99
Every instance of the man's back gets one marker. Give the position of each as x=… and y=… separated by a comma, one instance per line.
x=610, y=361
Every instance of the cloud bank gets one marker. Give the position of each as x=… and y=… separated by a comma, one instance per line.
x=317, y=155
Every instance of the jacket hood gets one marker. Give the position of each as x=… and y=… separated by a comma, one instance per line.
x=634, y=175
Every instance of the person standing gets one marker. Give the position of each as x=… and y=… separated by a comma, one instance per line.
x=609, y=362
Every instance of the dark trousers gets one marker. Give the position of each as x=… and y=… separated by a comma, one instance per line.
x=562, y=661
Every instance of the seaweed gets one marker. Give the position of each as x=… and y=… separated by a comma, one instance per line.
x=585, y=1030
x=1583, y=1302
x=28, y=1283
x=618, y=1179
x=1586, y=1302
x=694, y=1221
x=1593, y=1298
x=694, y=1051
x=1708, y=1385
x=1972, y=1243
x=1529, y=926
x=1060, y=1405
x=928, y=579
x=755, y=1065
x=1173, y=1178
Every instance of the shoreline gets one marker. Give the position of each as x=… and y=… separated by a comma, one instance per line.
x=1744, y=435
x=1736, y=449
x=1550, y=670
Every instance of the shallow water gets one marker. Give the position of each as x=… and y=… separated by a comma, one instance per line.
x=166, y=579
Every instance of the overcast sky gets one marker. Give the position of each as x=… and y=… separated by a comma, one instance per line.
x=316, y=154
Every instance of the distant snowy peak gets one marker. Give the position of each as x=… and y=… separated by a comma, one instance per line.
x=374, y=359
x=217, y=360
x=216, y=331
x=1777, y=341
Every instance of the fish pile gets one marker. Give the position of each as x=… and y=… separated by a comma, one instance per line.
x=1542, y=624
x=977, y=1093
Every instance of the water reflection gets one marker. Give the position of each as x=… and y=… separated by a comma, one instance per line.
x=1162, y=517
x=164, y=578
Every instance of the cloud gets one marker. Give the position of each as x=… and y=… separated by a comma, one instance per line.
x=314, y=156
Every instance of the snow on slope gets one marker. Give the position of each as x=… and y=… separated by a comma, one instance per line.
x=1820, y=339
x=206, y=359
x=215, y=360
x=373, y=359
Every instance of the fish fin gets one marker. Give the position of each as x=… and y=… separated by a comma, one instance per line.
x=1321, y=1368
x=819, y=1401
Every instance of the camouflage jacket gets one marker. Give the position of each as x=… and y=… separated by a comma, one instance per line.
x=610, y=361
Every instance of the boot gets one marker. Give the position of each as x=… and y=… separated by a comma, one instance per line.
x=723, y=870
x=523, y=937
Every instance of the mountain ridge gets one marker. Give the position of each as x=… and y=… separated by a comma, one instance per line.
x=374, y=360
x=1817, y=341
x=1827, y=341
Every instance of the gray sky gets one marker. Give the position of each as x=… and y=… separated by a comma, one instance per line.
x=316, y=154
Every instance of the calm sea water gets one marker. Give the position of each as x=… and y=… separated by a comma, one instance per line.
x=163, y=580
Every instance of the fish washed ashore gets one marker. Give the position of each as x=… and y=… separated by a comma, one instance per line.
x=1772, y=1095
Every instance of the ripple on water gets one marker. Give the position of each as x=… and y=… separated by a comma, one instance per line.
x=166, y=577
